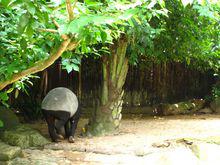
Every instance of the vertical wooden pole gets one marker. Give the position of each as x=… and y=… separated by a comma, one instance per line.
x=80, y=83
x=59, y=72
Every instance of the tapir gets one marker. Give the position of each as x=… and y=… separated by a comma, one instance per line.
x=61, y=105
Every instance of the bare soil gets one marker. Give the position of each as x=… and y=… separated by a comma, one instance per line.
x=140, y=140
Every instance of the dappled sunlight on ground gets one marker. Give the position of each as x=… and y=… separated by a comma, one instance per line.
x=152, y=140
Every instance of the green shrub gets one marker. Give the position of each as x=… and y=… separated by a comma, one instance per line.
x=1, y=124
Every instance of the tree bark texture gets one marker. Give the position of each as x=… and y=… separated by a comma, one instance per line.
x=107, y=113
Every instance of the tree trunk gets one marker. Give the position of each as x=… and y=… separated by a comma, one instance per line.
x=107, y=114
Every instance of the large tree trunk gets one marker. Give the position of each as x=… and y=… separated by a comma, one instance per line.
x=107, y=113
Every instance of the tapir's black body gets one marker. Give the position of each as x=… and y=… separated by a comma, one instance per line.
x=61, y=104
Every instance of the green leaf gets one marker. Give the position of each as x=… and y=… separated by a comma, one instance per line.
x=1, y=124
x=68, y=68
x=76, y=25
x=5, y=2
x=162, y=3
x=30, y=7
x=75, y=67
x=205, y=11
x=23, y=44
x=76, y=61
x=128, y=14
x=16, y=93
x=131, y=23
x=92, y=3
x=103, y=36
x=186, y=2
x=109, y=37
x=29, y=30
x=23, y=22
x=4, y=96
x=63, y=29
x=188, y=61
x=102, y=19
x=65, y=56
x=10, y=90
x=202, y=2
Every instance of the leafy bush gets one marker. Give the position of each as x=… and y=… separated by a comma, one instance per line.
x=216, y=91
x=1, y=124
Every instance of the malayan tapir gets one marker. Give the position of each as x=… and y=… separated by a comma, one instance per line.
x=61, y=104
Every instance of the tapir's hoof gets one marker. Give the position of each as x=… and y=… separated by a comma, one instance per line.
x=56, y=140
x=60, y=137
x=71, y=139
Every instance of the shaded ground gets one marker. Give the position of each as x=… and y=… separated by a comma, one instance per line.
x=140, y=140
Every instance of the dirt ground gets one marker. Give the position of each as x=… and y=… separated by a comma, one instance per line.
x=140, y=140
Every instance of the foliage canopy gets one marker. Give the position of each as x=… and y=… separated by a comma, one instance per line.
x=191, y=35
x=35, y=33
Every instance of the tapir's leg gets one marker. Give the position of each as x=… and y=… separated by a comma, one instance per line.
x=51, y=125
x=62, y=119
x=50, y=117
x=67, y=128
x=60, y=125
x=73, y=124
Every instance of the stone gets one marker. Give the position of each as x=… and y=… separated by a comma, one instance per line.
x=215, y=105
x=24, y=137
x=187, y=107
x=207, y=153
x=174, y=109
x=8, y=117
x=205, y=111
x=8, y=152
x=127, y=98
x=173, y=156
x=115, y=113
x=163, y=144
x=198, y=104
x=116, y=123
x=136, y=98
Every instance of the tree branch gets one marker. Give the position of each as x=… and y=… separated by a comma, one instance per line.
x=39, y=66
x=69, y=10
x=48, y=30
x=56, y=23
x=72, y=45
x=74, y=5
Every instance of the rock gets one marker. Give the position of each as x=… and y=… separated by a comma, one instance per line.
x=163, y=144
x=206, y=152
x=215, y=105
x=10, y=120
x=209, y=139
x=136, y=98
x=116, y=122
x=24, y=137
x=177, y=155
x=187, y=107
x=175, y=109
x=127, y=98
x=197, y=104
x=49, y=157
x=8, y=152
x=205, y=111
